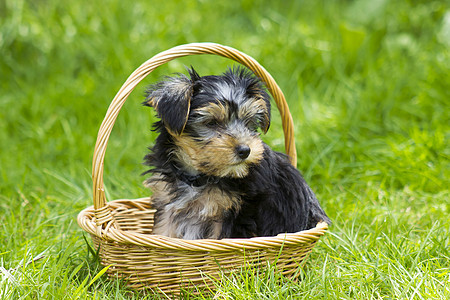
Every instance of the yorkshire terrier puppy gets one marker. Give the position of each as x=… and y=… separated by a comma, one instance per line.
x=212, y=176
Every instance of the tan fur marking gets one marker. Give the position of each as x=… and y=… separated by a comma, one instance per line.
x=161, y=195
x=217, y=111
x=218, y=157
x=188, y=96
x=258, y=105
x=152, y=103
x=197, y=206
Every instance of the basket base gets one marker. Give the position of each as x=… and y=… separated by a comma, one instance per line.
x=146, y=261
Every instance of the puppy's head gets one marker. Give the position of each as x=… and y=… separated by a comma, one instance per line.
x=214, y=120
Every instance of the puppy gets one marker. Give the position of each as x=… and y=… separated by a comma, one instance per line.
x=212, y=176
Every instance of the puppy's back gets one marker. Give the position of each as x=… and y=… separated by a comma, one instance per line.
x=276, y=200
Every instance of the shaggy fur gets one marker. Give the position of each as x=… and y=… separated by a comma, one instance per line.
x=212, y=176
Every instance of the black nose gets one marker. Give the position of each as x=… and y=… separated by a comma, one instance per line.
x=243, y=151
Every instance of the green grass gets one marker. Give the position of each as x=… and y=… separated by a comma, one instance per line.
x=368, y=86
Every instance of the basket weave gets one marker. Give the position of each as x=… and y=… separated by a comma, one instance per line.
x=122, y=229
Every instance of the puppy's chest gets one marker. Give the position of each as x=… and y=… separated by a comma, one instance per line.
x=191, y=212
x=208, y=202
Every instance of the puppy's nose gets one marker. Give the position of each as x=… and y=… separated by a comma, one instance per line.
x=243, y=151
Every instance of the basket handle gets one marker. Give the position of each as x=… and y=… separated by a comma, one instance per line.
x=150, y=65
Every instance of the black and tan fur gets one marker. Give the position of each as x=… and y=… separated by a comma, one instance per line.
x=212, y=176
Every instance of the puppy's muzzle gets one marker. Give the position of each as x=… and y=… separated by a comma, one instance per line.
x=243, y=151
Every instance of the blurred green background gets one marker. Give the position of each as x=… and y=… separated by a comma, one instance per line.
x=367, y=83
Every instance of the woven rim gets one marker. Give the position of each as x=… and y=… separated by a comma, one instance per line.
x=100, y=204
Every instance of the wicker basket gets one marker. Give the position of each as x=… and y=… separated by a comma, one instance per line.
x=122, y=229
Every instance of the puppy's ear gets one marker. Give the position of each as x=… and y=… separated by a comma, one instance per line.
x=172, y=100
x=256, y=91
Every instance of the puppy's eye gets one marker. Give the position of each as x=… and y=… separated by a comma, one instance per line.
x=252, y=124
x=212, y=123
